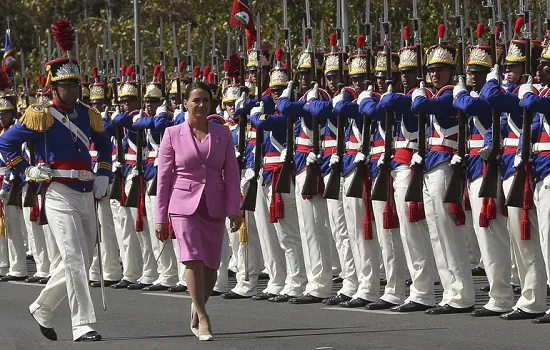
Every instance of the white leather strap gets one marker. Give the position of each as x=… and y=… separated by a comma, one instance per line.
x=508, y=142
x=438, y=141
x=83, y=175
x=66, y=122
x=376, y=150
x=540, y=147
x=405, y=144
x=352, y=145
x=475, y=144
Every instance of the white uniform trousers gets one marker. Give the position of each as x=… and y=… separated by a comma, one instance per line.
x=37, y=241
x=72, y=222
x=16, y=246
x=51, y=246
x=234, y=248
x=128, y=242
x=149, y=272
x=494, y=244
x=415, y=240
x=181, y=266
x=288, y=234
x=448, y=241
x=339, y=226
x=222, y=282
x=366, y=253
x=514, y=278
x=4, y=258
x=316, y=240
x=542, y=192
x=167, y=264
x=471, y=239
x=529, y=259
x=392, y=256
x=273, y=256
x=110, y=256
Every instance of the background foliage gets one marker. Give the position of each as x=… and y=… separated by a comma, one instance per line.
x=29, y=19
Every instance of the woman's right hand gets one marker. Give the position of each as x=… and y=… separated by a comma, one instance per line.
x=162, y=232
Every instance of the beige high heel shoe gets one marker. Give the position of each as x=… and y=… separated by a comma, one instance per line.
x=205, y=337
x=194, y=330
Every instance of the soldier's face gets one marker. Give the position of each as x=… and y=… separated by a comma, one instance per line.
x=332, y=82
x=408, y=78
x=251, y=75
x=230, y=108
x=357, y=83
x=544, y=72
x=173, y=105
x=440, y=76
x=130, y=105
x=381, y=85
x=478, y=79
x=67, y=92
x=6, y=117
x=514, y=72
x=151, y=107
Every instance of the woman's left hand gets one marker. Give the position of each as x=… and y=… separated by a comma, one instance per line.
x=235, y=222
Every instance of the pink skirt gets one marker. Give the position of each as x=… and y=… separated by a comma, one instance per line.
x=200, y=237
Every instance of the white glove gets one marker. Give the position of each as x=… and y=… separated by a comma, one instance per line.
x=219, y=111
x=312, y=158
x=364, y=94
x=249, y=174
x=485, y=152
x=287, y=92
x=38, y=173
x=244, y=186
x=526, y=88
x=416, y=159
x=459, y=87
x=313, y=93
x=283, y=155
x=456, y=159
x=239, y=104
x=178, y=110
x=257, y=110
x=4, y=194
x=116, y=112
x=381, y=159
x=105, y=114
x=493, y=74
x=517, y=161
x=117, y=164
x=419, y=91
x=360, y=157
x=337, y=98
x=137, y=117
x=334, y=159
x=101, y=183
x=389, y=90
x=237, y=154
x=163, y=108
x=134, y=173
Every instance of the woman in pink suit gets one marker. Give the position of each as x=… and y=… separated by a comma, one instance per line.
x=198, y=187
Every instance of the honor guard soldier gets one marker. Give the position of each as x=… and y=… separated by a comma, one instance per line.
x=278, y=210
x=112, y=270
x=62, y=132
x=312, y=209
x=489, y=224
x=11, y=202
x=445, y=224
x=522, y=222
x=154, y=123
x=138, y=271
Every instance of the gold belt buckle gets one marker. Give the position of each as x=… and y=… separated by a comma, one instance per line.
x=83, y=175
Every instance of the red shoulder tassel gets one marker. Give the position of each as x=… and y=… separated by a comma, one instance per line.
x=483, y=216
x=369, y=214
x=491, y=209
x=460, y=216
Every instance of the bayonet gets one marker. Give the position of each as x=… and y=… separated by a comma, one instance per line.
x=49, y=52
x=322, y=36
x=276, y=35
x=445, y=22
x=213, y=53
x=189, y=52
x=176, y=58
x=76, y=48
x=228, y=47
x=203, y=53
x=304, y=43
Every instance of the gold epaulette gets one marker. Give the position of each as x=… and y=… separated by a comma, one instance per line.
x=37, y=118
x=96, y=122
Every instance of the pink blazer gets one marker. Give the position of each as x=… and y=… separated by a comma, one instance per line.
x=183, y=176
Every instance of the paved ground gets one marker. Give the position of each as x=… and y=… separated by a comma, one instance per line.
x=139, y=320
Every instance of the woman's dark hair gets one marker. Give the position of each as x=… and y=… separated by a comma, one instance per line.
x=197, y=85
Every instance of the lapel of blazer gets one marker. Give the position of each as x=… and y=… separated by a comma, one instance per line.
x=189, y=142
x=214, y=141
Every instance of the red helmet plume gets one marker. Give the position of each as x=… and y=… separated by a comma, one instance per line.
x=63, y=34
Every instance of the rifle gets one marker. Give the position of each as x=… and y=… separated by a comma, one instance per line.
x=313, y=171
x=489, y=184
x=380, y=190
x=189, y=52
x=516, y=195
x=249, y=199
x=30, y=196
x=104, y=71
x=285, y=177
x=355, y=189
x=455, y=187
x=332, y=188
x=134, y=195
x=176, y=58
x=152, y=191
x=416, y=185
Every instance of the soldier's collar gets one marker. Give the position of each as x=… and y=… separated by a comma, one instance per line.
x=61, y=107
